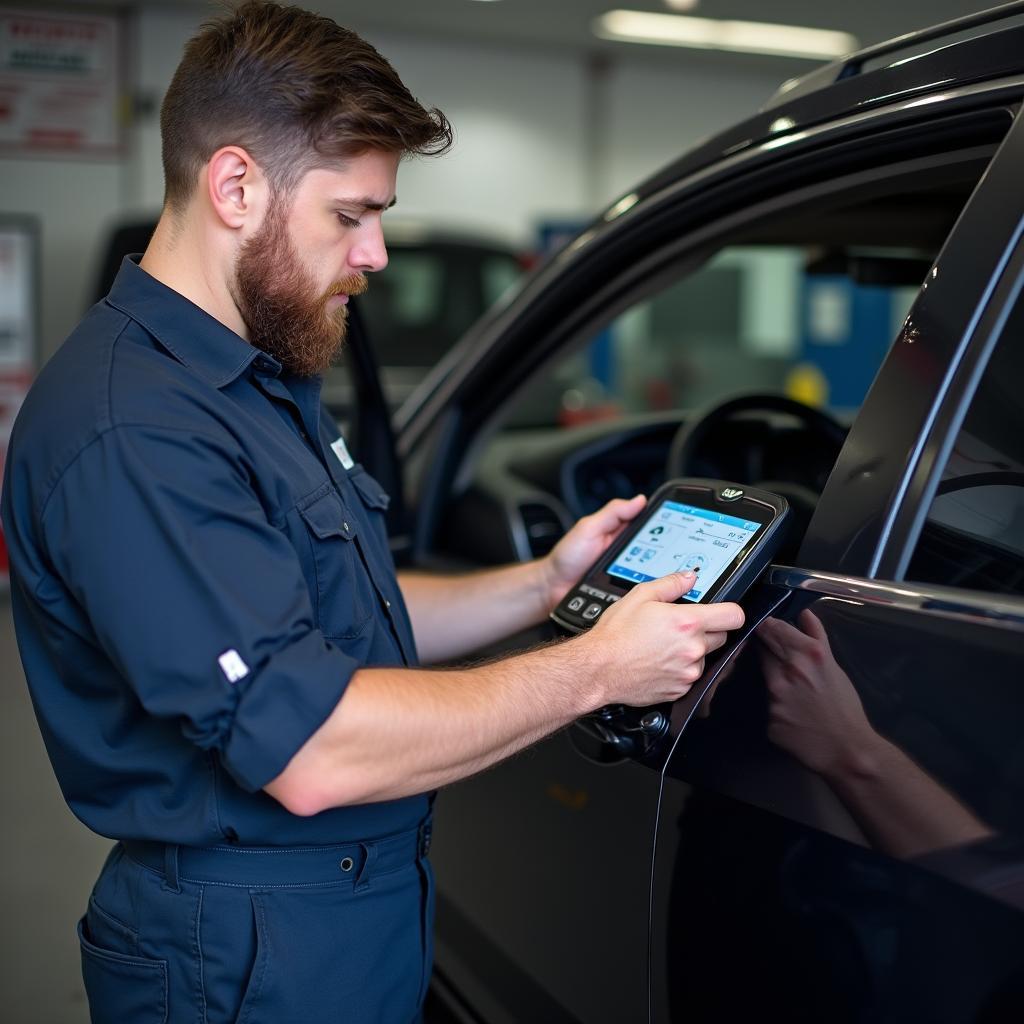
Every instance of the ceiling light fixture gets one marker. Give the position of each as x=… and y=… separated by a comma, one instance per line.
x=712, y=34
x=681, y=5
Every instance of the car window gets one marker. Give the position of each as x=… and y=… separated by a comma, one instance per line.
x=801, y=320
x=973, y=536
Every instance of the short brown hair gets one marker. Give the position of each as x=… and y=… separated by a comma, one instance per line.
x=295, y=90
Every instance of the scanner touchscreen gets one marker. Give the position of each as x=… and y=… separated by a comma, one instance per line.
x=678, y=536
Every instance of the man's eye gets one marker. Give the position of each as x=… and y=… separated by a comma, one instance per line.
x=349, y=222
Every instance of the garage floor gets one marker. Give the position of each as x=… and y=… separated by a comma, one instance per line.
x=47, y=866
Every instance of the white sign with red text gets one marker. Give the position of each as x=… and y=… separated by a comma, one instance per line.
x=59, y=82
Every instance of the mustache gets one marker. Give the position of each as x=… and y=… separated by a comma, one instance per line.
x=354, y=284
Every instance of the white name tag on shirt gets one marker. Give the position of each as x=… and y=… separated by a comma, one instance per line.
x=232, y=666
x=341, y=450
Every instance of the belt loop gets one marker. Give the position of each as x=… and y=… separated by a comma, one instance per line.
x=171, y=868
x=369, y=859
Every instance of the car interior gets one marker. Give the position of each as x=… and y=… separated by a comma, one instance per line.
x=745, y=359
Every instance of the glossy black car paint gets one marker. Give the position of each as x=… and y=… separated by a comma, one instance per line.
x=718, y=875
x=785, y=880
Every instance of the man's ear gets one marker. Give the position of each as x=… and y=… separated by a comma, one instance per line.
x=236, y=187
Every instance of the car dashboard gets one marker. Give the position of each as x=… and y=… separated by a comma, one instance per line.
x=530, y=486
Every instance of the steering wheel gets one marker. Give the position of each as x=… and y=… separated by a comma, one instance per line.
x=692, y=434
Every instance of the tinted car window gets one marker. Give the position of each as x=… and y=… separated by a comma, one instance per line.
x=974, y=534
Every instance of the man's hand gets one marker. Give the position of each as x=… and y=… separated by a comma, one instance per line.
x=654, y=650
x=584, y=544
x=401, y=731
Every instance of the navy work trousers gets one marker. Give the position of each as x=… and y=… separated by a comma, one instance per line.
x=272, y=936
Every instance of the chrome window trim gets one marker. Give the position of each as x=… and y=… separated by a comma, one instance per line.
x=999, y=610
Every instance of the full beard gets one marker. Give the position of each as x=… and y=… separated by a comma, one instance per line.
x=278, y=300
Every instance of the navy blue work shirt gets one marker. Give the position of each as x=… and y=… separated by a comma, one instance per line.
x=196, y=576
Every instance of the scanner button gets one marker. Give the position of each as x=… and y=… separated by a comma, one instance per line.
x=577, y=603
x=592, y=612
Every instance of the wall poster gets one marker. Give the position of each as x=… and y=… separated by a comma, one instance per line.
x=19, y=329
x=60, y=86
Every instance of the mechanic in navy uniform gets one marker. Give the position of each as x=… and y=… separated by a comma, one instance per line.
x=221, y=657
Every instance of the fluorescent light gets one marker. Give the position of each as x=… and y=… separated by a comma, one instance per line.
x=712, y=34
x=681, y=5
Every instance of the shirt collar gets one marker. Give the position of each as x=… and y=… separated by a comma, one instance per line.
x=189, y=333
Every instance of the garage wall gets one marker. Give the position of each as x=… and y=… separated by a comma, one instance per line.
x=517, y=117
x=70, y=200
x=655, y=113
x=541, y=135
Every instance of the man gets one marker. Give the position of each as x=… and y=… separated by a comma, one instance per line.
x=221, y=657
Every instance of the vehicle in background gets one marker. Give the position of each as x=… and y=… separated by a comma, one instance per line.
x=436, y=285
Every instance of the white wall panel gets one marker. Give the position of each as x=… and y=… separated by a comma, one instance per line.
x=73, y=201
x=655, y=113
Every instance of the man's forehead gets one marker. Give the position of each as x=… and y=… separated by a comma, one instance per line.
x=367, y=181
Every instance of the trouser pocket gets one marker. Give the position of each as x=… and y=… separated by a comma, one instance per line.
x=327, y=953
x=120, y=987
x=427, y=923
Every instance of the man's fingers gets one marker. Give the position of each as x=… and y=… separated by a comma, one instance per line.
x=721, y=617
x=665, y=588
x=715, y=640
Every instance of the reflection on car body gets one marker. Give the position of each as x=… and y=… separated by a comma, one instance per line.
x=857, y=244
x=816, y=715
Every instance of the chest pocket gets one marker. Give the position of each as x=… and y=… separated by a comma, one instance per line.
x=373, y=495
x=344, y=592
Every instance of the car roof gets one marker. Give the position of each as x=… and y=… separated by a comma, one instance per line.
x=978, y=48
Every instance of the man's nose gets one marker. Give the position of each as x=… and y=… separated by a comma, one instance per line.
x=369, y=253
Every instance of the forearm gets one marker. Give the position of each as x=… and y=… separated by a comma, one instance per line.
x=903, y=810
x=399, y=732
x=455, y=615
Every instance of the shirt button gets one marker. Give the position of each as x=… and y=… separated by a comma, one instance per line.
x=387, y=603
x=345, y=527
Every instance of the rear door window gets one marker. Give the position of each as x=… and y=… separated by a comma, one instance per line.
x=973, y=536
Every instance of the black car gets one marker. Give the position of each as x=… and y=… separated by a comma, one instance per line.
x=830, y=825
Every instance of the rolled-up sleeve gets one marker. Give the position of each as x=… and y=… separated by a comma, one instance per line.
x=195, y=595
